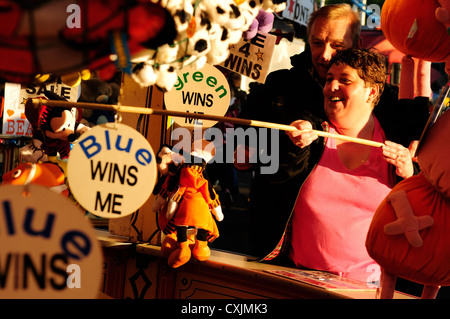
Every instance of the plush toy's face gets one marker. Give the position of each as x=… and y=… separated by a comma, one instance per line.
x=225, y=13
x=63, y=126
x=95, y=91
x=434, y=155
x=182, y=13
x=18, y=176
x=199, y=43
x=144, y=74
x=167, y=77
x=168, y=161
x=164, y=158
x=45, y=174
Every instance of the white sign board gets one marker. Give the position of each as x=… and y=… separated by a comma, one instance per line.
x=251, y=58
x=203, y=91
x=111, y=170
x=298, y=10
x=14, y=120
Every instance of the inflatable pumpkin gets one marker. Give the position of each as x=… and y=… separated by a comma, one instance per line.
x=412, y=28
x=410, y=231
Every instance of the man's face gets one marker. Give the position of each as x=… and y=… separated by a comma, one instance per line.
x=326, y=38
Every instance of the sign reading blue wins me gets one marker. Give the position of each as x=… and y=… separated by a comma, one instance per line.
x=111, y=170
x=48, y=249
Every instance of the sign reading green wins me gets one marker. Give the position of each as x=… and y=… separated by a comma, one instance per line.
x=203, y=91
x=111, y=170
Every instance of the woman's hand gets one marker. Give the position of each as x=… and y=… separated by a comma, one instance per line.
x=400, y=157
x=304, y=136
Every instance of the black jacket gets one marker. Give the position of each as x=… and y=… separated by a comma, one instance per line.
x=288, y=95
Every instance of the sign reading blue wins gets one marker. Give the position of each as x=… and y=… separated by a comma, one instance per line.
x=111, y=170
x=48, y=249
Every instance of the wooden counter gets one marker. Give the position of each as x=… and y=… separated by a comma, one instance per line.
x=138, y=271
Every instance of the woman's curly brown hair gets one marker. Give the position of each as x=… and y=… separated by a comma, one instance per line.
x=370, y=65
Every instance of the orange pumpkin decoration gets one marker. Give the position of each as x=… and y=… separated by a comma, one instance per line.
x=411, y=27
x=420, y=254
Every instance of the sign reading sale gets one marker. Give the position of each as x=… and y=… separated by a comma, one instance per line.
x=251, y=58
x=14, y=120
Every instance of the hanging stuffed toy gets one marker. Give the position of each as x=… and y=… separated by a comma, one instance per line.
x=95, y=90
x=205, y=31
x=188, y=206
x=54, y=128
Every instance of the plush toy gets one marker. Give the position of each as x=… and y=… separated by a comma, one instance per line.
x=412, y=28
x=186, y=206
x=54, y=128
x=47, y=174
x=409, y=233
x=205, y=30
x=96, y=90
x=168, y=163
x=262, y=23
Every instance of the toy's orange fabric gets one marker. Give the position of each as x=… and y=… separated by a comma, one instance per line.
x=410, y=26
x=194, y=204
x=46, y=174
x=428, y=264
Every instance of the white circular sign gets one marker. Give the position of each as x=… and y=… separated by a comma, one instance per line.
x=111, y=170
x=203, y=91
x=48, y=249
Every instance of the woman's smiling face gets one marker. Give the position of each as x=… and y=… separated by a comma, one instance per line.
x=347, y=98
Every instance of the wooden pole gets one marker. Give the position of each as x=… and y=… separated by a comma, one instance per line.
x=36, y=102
